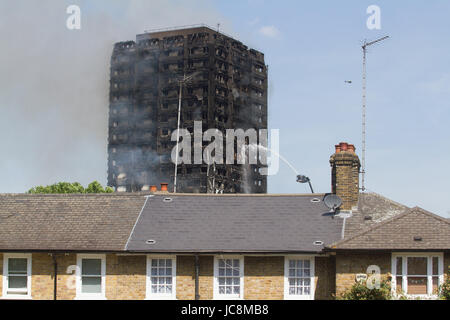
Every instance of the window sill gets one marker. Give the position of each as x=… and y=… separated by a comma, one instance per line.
x=15, y=297
x=160, y=298
x=227, y=298
x=298, y=298
x=88, y=297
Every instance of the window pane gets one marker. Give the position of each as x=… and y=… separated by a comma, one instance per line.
x=417, y=285
x=399, y=266
x=161, y=276
x=17, y=282
x=435, y=266
x=91, y=267
x=399, y=283
x=299, y=277
x=306, y=290
x=435, y=285
x=417, y=266
x=17, y=266
x=91, y=284
x=229, y=276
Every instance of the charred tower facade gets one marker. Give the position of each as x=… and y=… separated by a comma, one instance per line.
x=228, y=91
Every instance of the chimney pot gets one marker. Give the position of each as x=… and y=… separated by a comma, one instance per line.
x=344, y=146
x=164, y=187
x=338, y=148
x=153, y=188
x=351, y=148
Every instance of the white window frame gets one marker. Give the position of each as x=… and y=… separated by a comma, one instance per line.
x=161, y=296
x=405, y=256
x=311, y=294
x=216, y=294
x=6, y=257
x=90, y=296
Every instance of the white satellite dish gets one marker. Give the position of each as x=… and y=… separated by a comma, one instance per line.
x=332, y=201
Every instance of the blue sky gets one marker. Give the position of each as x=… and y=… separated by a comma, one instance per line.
x=54, y=87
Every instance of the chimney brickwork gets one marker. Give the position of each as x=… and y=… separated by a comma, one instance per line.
x=345, y=166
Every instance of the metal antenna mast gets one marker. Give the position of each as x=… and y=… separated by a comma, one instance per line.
x=363, y=170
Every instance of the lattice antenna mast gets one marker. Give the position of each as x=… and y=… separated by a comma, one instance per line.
x=364, y=76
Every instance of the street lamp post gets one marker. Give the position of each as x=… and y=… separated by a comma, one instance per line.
x=305, y=179
x=182, y=81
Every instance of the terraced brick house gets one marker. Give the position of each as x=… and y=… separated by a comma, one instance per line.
x=162, y=245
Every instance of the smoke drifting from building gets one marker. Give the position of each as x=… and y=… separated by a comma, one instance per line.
x=54, y=83
x=227, y=90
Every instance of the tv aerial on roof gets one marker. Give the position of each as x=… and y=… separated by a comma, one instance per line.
x=332, y=201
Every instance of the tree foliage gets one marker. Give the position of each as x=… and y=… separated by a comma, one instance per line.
x=67, y=187
x=444, y=290
x=359, y=291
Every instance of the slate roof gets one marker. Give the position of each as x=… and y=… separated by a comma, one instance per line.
x=87, y=222
x=234, y=223
x=398, y=233
x=373, y=208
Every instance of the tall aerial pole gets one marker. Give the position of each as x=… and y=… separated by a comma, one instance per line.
x=363, y=170
x=182, y=82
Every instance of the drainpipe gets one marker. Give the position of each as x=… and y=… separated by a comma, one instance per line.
x=55, y=280
x=197, y=272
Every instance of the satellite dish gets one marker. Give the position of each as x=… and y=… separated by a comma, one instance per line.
x=332, y=201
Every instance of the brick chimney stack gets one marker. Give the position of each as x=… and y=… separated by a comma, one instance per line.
x=345, y=167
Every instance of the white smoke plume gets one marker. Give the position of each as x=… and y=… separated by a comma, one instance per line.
x=54, y=82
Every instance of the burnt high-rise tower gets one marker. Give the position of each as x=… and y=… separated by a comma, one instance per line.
x=228, y=91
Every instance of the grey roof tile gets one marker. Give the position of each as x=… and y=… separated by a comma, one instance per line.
x=234, y=223
x=68, y=221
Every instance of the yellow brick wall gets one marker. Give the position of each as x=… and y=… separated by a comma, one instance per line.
x=186, y=277
x=325, y=278
x=66, y=281
x=350, y=264
x=125, y=277
x=263, y=278
x=42, y=276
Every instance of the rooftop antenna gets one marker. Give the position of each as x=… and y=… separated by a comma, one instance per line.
x=363, y=169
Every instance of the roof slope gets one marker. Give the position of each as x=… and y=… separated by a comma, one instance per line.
x=68, y=221
x=234, y=223
x=373, y=208
x=398, y=233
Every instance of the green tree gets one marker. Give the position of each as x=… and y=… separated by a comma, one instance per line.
x=444, y=289
x=67, y=187
x=359, y=291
